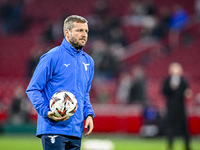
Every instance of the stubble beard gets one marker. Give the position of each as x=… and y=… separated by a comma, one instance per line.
x=76, y=44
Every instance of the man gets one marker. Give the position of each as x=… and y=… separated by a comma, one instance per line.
x=138, y=86
x=65, y=67
x=175, y=89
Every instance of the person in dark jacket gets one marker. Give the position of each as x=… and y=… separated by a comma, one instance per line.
x=138, y=86
x=175, y=89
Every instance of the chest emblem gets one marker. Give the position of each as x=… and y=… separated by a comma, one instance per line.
x=66, y=65
x=86, y=65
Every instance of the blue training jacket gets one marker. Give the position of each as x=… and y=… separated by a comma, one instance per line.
x=62, y=68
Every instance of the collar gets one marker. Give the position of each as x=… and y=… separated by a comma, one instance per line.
x=69, y=48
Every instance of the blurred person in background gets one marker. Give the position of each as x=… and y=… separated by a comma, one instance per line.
x=101, y=22
x=175, y=89
x=179, y=18
x=5, y=15
x=123, y=88
x=104, y=60
x=160, y=30
x=197, y=9
x=33, y=60
x=3, y=112
x=11, y=15
x=178, y=22
x=17, y=15
x=52, y=32
x=138, y=86
x=151, y=121
x=20, y=107
x=65, y=67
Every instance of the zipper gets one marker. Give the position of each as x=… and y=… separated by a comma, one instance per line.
x=76, y=86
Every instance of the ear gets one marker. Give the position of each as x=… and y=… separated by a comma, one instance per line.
x=67, y=33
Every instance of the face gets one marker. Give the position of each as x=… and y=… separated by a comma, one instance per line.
x=175, y=69
x=78, y=35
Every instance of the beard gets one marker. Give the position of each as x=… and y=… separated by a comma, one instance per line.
x=76, y=43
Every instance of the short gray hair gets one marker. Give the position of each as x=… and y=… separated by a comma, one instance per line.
x=68, y=23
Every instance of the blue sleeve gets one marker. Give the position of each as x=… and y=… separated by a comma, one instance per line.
x=41, y=76
x=87, y=104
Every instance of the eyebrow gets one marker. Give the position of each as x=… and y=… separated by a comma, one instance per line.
x=82, y=29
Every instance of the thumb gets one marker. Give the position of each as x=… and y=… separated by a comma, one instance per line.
x=86, y=124
x=50, y=113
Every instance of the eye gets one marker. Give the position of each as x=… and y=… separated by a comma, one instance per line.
x=81, y=30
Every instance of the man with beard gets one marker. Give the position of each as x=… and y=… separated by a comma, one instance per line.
x=65, y=67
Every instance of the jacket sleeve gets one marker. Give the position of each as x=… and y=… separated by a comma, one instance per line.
x=166, y=90
x=88, y=110
x=41, y=76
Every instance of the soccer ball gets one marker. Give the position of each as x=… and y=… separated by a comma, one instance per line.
x=63, y=103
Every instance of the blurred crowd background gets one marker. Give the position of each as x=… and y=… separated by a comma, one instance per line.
x=132, y=43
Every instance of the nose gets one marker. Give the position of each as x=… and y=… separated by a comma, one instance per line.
x=85, y=34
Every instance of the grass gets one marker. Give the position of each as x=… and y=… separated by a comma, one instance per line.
x=20, y=142
x=136, y=143
x=30, y=142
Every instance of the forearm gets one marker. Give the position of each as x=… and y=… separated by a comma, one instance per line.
x=38, y=102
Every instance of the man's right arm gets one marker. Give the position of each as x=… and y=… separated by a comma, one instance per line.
x=41, y=76
x=37, y=84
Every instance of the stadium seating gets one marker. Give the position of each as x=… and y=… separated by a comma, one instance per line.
x=15, y=51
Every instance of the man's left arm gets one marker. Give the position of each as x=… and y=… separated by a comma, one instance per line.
x=88, y=110
x=188, y=93
x=89, y=124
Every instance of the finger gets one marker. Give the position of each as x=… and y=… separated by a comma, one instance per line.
x=89, y=132
x=66, y=119
x=55, y=118
x=90, y=128
x=61, y=118
x=86, y=124
x=50, y=113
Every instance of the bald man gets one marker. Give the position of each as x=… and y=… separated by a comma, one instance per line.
x=175, y=89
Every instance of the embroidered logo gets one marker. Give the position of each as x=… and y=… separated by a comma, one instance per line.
x=66, y=65
x=53, y=138
x=85, y=65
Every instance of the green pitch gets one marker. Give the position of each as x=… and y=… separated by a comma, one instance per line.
x=20, y=142
x=135, y=143
x=30, y=142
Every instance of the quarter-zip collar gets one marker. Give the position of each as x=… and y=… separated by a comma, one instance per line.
x=69, y=48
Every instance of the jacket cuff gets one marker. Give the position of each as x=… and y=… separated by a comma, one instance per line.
x=91, y=116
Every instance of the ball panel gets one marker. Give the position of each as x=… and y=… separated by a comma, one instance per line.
x=63, y=103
